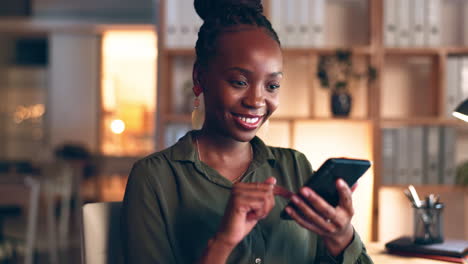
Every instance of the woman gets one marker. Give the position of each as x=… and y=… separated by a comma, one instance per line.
x=212, y=197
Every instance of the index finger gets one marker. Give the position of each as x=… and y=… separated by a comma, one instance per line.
x=281, y=191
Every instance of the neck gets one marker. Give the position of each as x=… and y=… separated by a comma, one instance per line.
x=220, y=145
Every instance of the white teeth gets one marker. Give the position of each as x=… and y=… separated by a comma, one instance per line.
x=249, y=120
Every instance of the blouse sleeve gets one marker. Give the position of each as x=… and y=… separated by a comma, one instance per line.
x=144, y=232
x=355, y=253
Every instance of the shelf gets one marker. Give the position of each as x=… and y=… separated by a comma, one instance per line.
x=31, y=26
x=177, y=118
x=457, y=50
x=320, y=119
x=359, y=50
x=171, y=52
x=389, y=122
x=427, y=51
x=430, y=187
x=186, y=118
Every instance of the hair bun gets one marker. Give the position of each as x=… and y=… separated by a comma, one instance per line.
x=214, y=8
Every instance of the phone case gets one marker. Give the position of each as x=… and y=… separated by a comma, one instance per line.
x=323, y=181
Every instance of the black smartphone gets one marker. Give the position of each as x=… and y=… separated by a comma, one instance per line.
x=323, y=181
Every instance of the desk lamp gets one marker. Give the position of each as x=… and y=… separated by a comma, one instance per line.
x=461, y=112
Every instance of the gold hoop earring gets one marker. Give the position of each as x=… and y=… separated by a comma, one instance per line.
x=198, y=113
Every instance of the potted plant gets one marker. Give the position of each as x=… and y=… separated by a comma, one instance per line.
x=336, y=72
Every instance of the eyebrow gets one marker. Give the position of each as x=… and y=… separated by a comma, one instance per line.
x=245, y=71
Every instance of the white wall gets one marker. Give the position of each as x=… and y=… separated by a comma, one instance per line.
x=73, y=100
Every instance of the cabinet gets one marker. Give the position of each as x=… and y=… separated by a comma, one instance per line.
x=410, y=90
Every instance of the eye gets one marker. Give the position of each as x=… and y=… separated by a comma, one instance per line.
x=274, y=86
x=239, y=83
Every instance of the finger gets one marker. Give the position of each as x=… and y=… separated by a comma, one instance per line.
x=246, y=197
x=303, y=222
x=270, y=180
x=269, y=204
x=321, y=207
x=254, y=186
x=254, y=196
x=283, y=192
x=310, y=215
x=259, y=191
x=354, y=187
x=345, y=194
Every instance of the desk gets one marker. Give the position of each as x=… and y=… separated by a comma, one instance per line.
x=379, y=255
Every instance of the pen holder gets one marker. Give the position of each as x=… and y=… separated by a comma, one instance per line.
x=428, y=224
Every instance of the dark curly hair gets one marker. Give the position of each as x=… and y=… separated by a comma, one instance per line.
x=220, y=16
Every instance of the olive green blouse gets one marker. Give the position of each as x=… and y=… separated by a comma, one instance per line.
x=174, y=203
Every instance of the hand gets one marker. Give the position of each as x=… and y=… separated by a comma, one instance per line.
x=248, y=203
x=332, y=223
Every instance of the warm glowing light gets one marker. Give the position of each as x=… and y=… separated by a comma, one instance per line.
x=128, y=91
x=130, y=44
x=23, y=113
x=117, y=126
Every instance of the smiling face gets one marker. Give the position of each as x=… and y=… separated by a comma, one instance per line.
x=241, y=83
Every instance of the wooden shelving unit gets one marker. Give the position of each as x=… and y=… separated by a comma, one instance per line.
x=373, y=112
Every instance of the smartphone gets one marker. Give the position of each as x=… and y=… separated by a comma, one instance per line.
x=323, y=181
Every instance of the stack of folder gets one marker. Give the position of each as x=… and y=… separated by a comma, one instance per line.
x=450, y=250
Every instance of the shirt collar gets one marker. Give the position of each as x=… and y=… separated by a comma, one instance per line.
x=185, y=150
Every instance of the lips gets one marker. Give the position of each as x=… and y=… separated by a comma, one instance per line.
x=248, y=121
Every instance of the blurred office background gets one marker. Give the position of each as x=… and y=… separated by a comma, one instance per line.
x=88, y=87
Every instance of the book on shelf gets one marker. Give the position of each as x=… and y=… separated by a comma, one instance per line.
x=317, y=11
x=415, y=155
x=447, y=158
x=418, y=155
x=303, y=26
x=463, y=88
x=389, y=149
x=432, y=150
x=300, y=23
x=402, y=157
x=181, y=90
x=417, y=13
x=289, y=24
x=277, y=19
x=433, y=22
x=182, y=24
x=172, y=29
x=390, y=27
x=465, y=22
x=403, y=23
x=450, y=250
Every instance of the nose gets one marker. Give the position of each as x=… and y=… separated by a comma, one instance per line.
x=254, y=97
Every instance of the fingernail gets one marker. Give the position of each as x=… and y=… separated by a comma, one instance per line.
x=306, y=192
x=274, y=180
x=295, y=199
x=341, y=182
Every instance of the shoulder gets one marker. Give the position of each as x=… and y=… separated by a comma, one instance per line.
x=154, y=160
x=160, y=161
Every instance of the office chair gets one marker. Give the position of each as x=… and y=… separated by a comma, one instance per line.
x=101, y=243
